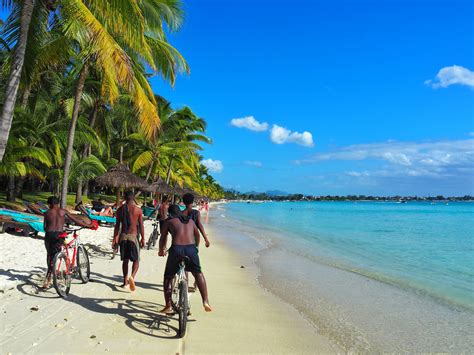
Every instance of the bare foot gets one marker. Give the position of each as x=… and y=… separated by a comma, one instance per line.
x=125, y=284
x=46, y=285
x=132, y=284
x=207, y=307
x=167, y=310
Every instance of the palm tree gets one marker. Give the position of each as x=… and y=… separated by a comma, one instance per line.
x=13, y=82
x=103, y=31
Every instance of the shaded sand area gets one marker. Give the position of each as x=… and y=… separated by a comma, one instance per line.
x=101, y=317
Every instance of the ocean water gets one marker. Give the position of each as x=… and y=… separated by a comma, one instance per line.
x=370, y=275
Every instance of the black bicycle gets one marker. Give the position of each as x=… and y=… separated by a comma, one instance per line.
x=153, y=235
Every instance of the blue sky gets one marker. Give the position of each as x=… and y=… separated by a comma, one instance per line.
x=354, y=75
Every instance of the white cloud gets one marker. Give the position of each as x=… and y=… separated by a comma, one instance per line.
x=250, y=123
x=281, y=135
x=256, y=164
x=448, y=76
x=441, y=158
x=214, y=166
x=357, y=173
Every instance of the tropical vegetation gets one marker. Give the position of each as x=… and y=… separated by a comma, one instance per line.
x=76, y=97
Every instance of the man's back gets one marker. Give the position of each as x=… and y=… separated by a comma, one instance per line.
x=134, y=213
x=182, y=233
x=54, y=219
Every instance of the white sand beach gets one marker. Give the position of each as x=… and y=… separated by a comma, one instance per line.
x=101, y=317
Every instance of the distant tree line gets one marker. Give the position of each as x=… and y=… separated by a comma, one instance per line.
x=234, y=195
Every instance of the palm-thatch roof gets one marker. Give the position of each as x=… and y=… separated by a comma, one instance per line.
x=160, y=186
x=120, y=176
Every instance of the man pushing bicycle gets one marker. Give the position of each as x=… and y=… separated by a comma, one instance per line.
x=185, y=242
x=54, y=226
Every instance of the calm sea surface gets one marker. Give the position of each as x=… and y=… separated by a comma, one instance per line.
x=423, y=252
x=429, y=248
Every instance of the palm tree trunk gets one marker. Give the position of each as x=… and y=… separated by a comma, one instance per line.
x=85, y=153
x=146, y=179
x=72, y=131
x=15, y=74
x=11, y=189
x=19, y=187
x=25, y=96
x=168, y=175
x=121, y=155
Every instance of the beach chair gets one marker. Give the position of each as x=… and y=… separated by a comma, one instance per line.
x=101, y=219
x=27, y=223
x=34, y=208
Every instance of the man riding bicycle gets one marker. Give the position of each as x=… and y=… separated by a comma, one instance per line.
x=185, y=242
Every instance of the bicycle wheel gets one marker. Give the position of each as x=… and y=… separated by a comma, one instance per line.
x=183, y=308
x=61, y=276
x=83, y=264
x=155, y=237
x=151, y=240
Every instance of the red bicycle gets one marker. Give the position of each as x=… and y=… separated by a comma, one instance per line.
x=68, y=264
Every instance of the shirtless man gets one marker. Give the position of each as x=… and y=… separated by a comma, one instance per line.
x=130, y=218
x=195, y=215
x=163, y=209
x=53, y=227
x=185, y=242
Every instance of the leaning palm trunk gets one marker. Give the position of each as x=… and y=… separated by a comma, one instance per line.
x=168, y=175
x=15, y=74
x=72, y=131
x=86, y=153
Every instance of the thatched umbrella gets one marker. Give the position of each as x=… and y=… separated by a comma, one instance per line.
x=120, y=177
x=159, y=186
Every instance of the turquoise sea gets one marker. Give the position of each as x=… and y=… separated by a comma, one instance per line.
x=379, y=266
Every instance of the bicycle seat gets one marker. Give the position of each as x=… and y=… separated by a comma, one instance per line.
x=63, y=235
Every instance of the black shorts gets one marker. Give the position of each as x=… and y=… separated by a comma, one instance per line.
x=129, y=250
x=176, y=253
x=53, y=244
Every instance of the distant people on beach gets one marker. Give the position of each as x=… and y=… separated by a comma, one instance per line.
x=185, y=242
x=128, y=226
x=54, y=227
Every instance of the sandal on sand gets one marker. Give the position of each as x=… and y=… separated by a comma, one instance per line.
x=132, y=283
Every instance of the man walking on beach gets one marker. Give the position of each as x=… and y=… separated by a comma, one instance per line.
x=54, y=227
x=195, y=215
x=130, y=218
x=185, y=242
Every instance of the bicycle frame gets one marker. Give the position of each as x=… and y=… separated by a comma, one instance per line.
x=180, y=276
x=73, y=244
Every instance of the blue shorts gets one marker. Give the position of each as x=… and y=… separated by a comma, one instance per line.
x=176, y=253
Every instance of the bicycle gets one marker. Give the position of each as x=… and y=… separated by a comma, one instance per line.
x=65, y=266
x=153, y=235
x=179, y=297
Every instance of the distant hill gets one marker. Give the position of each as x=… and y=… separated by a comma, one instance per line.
x=277, y=193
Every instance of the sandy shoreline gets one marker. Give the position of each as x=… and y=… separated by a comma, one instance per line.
x=100, y=317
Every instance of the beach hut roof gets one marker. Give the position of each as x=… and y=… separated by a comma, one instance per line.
x=159, y=186
x=120, y=176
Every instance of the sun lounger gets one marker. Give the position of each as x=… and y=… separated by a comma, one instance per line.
x=87, y=212
x=29, y=223
x=35, y=208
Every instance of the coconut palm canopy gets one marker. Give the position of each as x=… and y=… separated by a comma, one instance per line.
x=120, y=176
